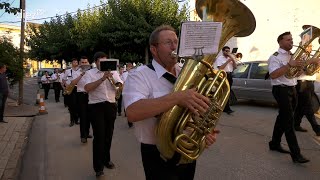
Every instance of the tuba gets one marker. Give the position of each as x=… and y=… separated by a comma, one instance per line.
x=313, y=68
x=178, y=131
x=301, y=50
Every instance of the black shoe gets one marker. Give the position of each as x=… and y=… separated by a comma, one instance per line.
x=2, y=121
x=109, y=165
x=130, y=124
x=99, y=173
x=299, y=128
x=317, y=133
x=277, y=148
x=119, y=114
x=71, y=124
x=228, y=111
x=300, y=159
x=84, y=140
x=89, y=136
x=77, y=122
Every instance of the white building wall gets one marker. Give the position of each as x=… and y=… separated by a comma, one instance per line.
x=274, y=17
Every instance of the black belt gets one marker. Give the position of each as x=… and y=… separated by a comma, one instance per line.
x=104, y=102
x=83, y=92
x=303, y=80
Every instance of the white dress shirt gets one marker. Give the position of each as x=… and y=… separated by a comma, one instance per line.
x=221, y=60
x=81, y=82
x=45, y=79
x=69, y=75
x=105, y=91
x=145, y=83
x=55, y=77
x=276, y=61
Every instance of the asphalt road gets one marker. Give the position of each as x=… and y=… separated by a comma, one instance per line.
x=241, y=151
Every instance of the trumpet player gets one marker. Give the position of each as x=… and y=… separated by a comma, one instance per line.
x=100, y=86
x=305, y=91
x=82, y=99
x=284, y=92
x=55, y=77
x=72, y=97
x=227, y=62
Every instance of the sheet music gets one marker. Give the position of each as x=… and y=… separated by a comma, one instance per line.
x=205, y=35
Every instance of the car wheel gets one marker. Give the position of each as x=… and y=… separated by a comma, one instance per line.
x=232, y=99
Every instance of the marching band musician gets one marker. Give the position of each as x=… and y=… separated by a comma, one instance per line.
x=284, y=92
x=102, y=111
x=55, y=77
x=147, y=93
x=227, y=63
x=72, y=98
x=305, y=91
x=82, y=99
x=46, y=82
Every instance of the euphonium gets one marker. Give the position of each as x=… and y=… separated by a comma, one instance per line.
x=178, y=130
x=313, y=68
x=294, y=70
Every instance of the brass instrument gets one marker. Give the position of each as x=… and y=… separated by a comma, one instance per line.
x=117, y=86
x=301, y=50
x=313, y=68
x=69, y=88
x=178, y=129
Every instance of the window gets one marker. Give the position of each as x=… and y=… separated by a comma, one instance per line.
x=241, y=71
x=259, y=70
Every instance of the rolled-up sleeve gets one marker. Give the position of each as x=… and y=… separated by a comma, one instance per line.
x=135, y=89
x=274, y=64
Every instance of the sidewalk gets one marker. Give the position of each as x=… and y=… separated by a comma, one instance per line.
x=14, y=137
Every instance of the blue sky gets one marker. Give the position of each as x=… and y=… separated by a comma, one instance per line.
x=36, y=9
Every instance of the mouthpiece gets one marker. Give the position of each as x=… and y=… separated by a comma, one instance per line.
x=174, y=54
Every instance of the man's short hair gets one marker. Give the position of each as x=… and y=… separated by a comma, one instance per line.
x=83, y=57
x=225, y=47
x=280, y=37
x=98, y=55
x=154, y=36
x=74, y=59
x=1, y=65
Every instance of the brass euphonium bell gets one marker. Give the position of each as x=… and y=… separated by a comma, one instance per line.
x=294, y=70
x=313, y=68
x=179, y=131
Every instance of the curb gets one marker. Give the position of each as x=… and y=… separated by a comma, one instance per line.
x=13, y=167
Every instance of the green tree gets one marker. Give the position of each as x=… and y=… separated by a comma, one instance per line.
x=9, y=55
x=8, y=9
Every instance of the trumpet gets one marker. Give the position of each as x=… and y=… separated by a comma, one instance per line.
x=117, y=86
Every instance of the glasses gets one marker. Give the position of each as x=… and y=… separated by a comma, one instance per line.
x=169, y=43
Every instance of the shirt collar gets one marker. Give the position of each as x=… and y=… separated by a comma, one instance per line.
x=282, y=51
x=160, y=71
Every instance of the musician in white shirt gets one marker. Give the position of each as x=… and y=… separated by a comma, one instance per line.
x=46, y=83
x=55, y=77
x=102, y=111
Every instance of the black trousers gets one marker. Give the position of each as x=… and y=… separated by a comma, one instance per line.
x=286, y=97
x=57, y=89
x=3, y=99
x=102, y=117
x=120, y=104
x=229, y=77
x=82, y=99
x=72, y=105
x=155, y=168
x=305, y=90
x=46, y=88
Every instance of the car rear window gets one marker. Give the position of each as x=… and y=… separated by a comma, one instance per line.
x=241, y=71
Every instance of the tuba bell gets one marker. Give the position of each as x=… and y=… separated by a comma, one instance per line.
x=301, y=50
x=178, y=131
x=313, y=68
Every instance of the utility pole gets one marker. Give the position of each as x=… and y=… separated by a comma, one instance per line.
x=23, y=11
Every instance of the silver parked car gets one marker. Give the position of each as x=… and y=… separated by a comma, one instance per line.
x=249, y=83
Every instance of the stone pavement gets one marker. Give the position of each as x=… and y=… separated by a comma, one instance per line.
x=14, y=137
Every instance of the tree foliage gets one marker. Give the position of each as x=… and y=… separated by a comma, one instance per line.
x=8, y=9
x=121, y=28
x=9, y=55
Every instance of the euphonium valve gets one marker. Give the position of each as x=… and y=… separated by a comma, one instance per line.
x=179, y=131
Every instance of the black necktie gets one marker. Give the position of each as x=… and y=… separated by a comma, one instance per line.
x=171, y=78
